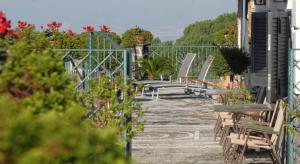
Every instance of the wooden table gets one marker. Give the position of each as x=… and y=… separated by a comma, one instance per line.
x=243, y=108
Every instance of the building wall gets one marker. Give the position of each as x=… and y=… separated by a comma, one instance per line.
x=294, y=5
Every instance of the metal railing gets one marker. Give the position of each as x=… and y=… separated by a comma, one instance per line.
x=103, y=57
x=176, y=54
x=293, y=96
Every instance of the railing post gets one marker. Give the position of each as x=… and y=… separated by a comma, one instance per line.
x=125, y=72
x=290, y=143
x=91, y=46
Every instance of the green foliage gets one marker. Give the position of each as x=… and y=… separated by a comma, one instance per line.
x=230, y=61
x=240, y=96
x=220, y=66
x=154, y=67
x=156, y=41
x=227, y=36
x=209, y=31
x=36, y=78
x=115, y=37
x=54, y=138
x=111, y=103
x=136, y=35
x=41, y=118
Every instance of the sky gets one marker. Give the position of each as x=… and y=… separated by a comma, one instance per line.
x=166, y=19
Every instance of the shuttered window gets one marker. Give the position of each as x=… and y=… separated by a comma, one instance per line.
x=259, y=49
x=278, y=61
x=269, y=53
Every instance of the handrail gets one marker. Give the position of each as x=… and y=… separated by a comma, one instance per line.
x=93, y=50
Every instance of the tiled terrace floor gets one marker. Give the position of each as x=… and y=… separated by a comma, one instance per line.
x=178, y=129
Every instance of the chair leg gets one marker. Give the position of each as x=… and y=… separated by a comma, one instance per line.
x=157, y=94
x=217, y=122
x=235, y=153
x=244, y=147
x=275, y=155
x=224, y=134
x=153, y=93
x=143, y=90
x=227, y=149
x=217, y=127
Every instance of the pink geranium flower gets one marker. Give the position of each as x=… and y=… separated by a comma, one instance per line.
x=4, y=24
x=2, y=15
x=89, y=28
x=13, y=32
x=104, y=28
x=70, y=32
x=22, y=24
x=54, y=25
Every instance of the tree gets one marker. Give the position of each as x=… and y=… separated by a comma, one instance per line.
x=227, y=36
x=230, y=61
x=204, y=32
x=156, y=41
x=136, y=35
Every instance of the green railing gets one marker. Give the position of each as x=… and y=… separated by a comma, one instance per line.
x=104, y=56
x=293, y=96
x=176, y=54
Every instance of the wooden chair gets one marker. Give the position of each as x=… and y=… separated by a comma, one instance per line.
x=263, y=141
x=225, y=120
x=227, y=145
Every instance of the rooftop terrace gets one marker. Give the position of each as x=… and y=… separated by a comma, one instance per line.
x=179, y=129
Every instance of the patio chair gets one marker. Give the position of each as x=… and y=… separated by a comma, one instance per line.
x=248, y=141
x=183, y=72
x=200, y=79
x=238, y=133
x=225, y=120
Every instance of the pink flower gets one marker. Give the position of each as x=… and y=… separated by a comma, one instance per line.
x=104, y=28
x=2, y=15
x=54, y=25
x=70, y=32
x=13, y=32
x=89, y=28
x=4, y=26
x=3, y=30
x=22, y=24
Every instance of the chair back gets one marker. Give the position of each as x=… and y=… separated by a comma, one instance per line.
x=275, y=113
x=186, y=65
x=279, y=120
x=261, y=95
x=205, y=68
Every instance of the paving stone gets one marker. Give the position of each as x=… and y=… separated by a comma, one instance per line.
x=179, y=129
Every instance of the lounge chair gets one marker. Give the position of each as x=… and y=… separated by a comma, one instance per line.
x=183, y=72
x=201, y=79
